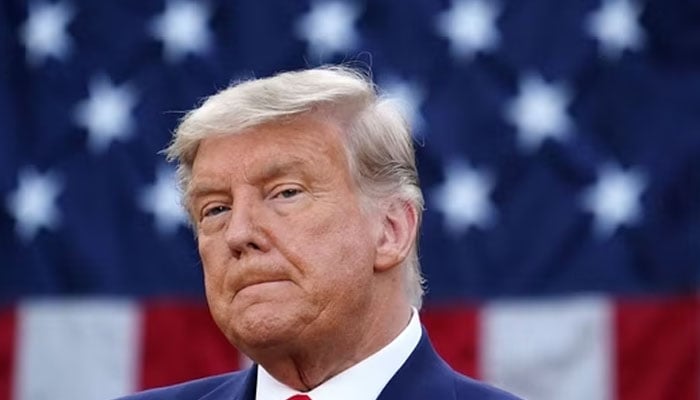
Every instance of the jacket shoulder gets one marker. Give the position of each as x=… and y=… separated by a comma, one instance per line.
x=425, y=375
x=467, y=388
x=194, y=389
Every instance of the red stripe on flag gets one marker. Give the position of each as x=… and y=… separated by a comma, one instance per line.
x=7, y=354
x=658, y=349
x=181, y=342
x=453, y=331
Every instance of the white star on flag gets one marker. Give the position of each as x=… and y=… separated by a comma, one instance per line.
x=409, y=97
x=162, y=199
x=616, y=26
x=182, y=27
x=470, y=27
x=329, y=28
x=615, y=199
x=33, y=203
x=539, y=112
x=45, y=33
x=106, y=114
x=464, y=198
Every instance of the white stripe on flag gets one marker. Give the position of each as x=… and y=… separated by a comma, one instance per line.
x=549, y=349
x=76, y=349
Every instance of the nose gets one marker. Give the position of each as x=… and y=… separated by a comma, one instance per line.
x=244, y=232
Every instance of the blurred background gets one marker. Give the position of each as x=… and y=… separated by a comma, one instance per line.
x=558, y=148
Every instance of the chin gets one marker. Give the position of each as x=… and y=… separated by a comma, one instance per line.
x=263, y=326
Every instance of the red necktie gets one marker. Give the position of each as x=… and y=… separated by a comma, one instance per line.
x=299, y=397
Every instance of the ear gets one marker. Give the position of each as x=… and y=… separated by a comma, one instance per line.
x=398, y=232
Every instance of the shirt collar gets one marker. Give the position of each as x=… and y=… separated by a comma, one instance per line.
x=374, y=372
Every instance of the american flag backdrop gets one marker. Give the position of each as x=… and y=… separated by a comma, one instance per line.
x=558, y=149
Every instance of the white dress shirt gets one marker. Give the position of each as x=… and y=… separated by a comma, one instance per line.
x=364, y=380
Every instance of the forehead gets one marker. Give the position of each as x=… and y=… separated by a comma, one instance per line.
x=301, y=142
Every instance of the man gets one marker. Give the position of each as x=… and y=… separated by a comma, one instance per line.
x=303, y=192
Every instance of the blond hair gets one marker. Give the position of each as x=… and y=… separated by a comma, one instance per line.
x=377, y=138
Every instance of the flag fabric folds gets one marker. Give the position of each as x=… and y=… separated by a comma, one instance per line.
x=558, y=145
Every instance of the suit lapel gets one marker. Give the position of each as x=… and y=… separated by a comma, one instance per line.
x=424, y=375
x=242, y=388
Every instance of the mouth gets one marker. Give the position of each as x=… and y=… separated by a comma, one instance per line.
x=262, y=285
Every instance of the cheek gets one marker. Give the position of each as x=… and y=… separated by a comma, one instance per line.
x=336, y=249
x=213, y=264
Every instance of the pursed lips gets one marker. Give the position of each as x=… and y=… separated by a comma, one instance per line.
x=255, y=281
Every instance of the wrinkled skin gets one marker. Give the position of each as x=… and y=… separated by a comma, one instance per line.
x=297, y=275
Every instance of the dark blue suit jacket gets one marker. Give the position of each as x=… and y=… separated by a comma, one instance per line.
x=423, y=376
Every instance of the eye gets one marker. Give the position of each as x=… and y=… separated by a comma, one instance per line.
x=213, y=211
x=288, y=193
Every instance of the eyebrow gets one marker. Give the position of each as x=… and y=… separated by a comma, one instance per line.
x=276, y=170
x=201, y=188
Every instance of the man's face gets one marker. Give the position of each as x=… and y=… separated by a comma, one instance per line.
x=288, y=253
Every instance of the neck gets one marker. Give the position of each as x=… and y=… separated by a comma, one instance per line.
x=306, y=363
